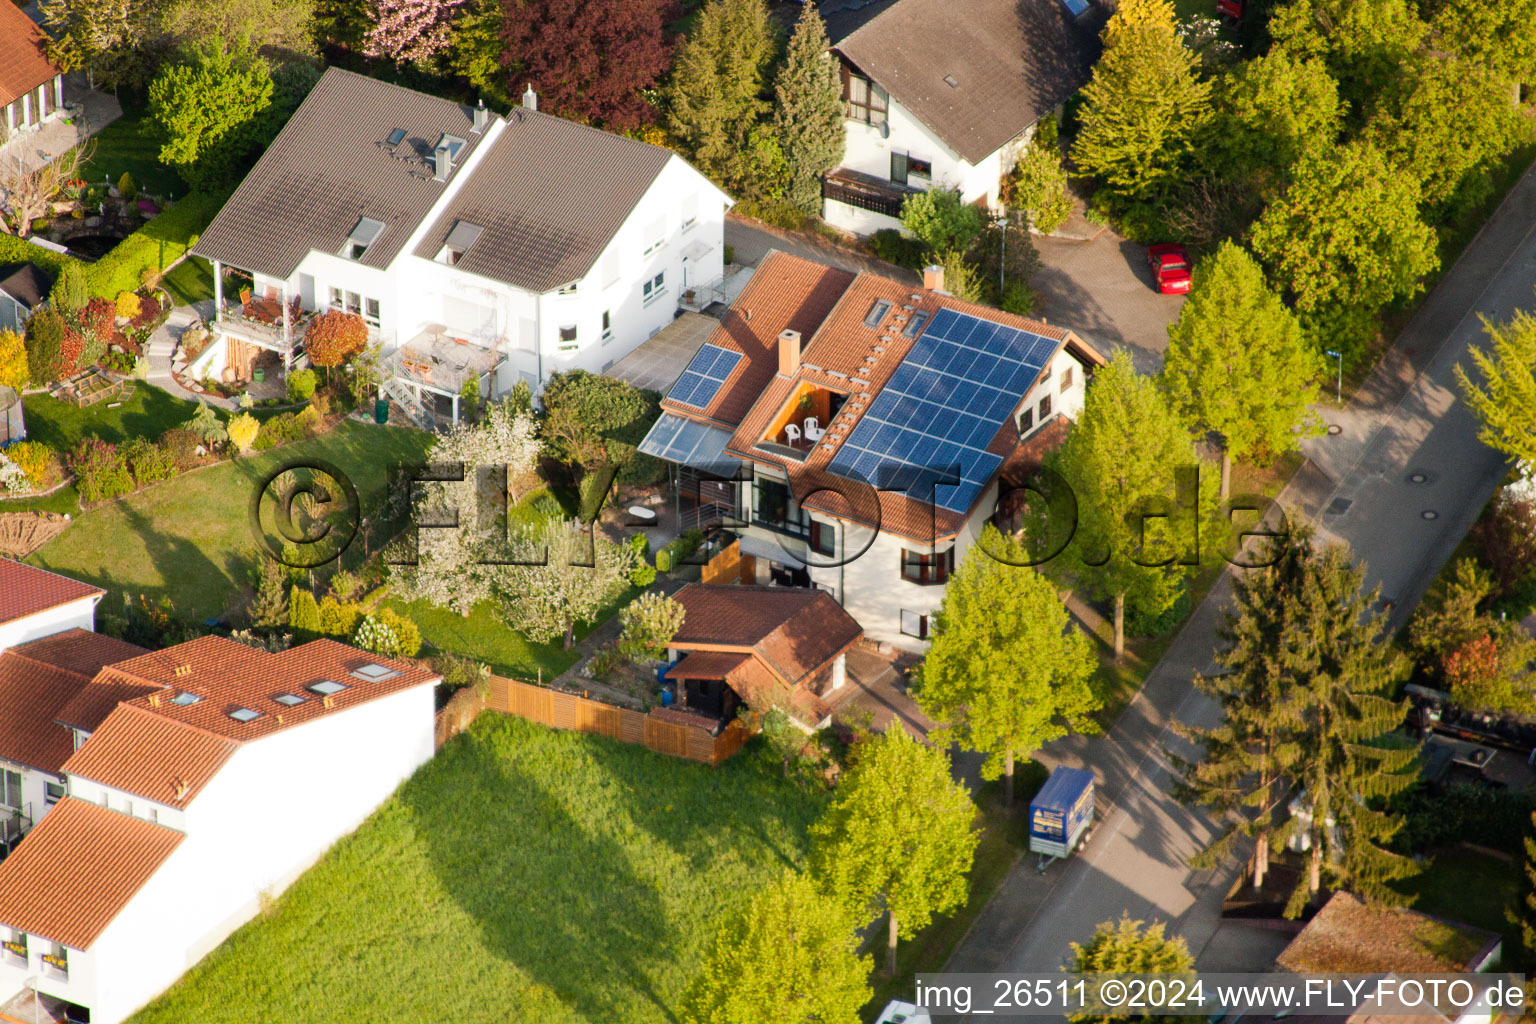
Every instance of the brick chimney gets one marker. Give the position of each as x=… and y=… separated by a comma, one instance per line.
x=789, y=352
x=933, y=279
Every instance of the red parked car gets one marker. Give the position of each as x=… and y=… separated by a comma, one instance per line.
x=1170, y=267
x=1231, y=8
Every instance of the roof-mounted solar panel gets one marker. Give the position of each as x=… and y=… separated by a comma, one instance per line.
x=706, y=372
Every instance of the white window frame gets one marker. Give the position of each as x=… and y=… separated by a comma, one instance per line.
x=607, y=323
x=654, y=288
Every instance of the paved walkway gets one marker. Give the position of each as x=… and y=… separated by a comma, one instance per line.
x=1406, y=419
x=38, y=147
x=162, y=344
x=751, y=240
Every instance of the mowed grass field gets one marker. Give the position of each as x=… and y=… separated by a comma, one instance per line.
x=524, y=875
x=190, y=538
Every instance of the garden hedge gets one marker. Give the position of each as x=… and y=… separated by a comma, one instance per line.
x=155, y=246
x=20, y=250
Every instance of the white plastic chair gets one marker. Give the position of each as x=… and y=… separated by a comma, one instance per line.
x=791, y=433
x=813, y=431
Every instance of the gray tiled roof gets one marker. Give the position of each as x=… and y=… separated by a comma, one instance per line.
x=550, y=194
x=331, y=165
x=1011, y=60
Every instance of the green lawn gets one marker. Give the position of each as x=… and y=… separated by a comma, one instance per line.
x=190, y=281
x=1470, y=887
x=524, y=874
x=130, y=144
x=148, y=413
x=190, y=539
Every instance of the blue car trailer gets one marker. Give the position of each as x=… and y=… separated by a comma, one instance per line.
x=1061, y=814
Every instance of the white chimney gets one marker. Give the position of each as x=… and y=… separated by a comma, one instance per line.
x=933, y=278
x=530, y=98
x=789, y=352
x=481, y=117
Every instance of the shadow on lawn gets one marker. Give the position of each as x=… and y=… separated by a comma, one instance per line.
x=603, y=878
x=179, y=558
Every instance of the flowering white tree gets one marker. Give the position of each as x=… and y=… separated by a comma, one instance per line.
x=410, y=31
x=455, y=567
x=580, y=573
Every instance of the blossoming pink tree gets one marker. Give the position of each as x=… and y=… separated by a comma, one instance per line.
x=410, y=31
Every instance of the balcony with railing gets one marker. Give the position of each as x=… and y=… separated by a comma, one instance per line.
x=865, y=191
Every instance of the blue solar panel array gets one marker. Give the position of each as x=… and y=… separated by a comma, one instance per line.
x=942, y=407
x=707, y=371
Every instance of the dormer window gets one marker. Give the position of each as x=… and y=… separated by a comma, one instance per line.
x=453, y=144
x=363, y=235
x=463, y=235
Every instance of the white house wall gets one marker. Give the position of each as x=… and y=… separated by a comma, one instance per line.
x=869, y=151
x=79, y=614
x=273, y=810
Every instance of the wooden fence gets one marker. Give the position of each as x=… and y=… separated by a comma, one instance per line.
x=730, y=566
x=568, y=711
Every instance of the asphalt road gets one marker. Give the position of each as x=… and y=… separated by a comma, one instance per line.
x=1357, y=487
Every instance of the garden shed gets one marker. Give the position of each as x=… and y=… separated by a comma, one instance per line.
x=12, y=425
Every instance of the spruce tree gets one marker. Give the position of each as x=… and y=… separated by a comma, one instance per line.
x=715, y=100
x=1238, y=775
x=1130, y=947
x=1145, y=108
x=809, y=115
x=270, y=605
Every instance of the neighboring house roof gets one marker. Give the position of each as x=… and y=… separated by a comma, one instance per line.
x=331, y=165
x=26, y=591
x=1011, y=61
x=78, y=869
x=794, y=631
x=1351, y=937
x=27, y=283
x=98, y=698
x=38, y=680
x=166, y=751
x=24, y=63
x=840, y=354
x=550, y=195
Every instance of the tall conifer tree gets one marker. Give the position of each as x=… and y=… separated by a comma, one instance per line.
x=809, y=115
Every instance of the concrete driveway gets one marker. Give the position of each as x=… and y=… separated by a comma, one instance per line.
x=1102, y=288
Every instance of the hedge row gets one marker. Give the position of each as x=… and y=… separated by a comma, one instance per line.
x=156, y=245
x=20, y=250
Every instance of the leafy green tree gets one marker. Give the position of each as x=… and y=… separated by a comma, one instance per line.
x=808, y=115
x=1239, y=774
x=205, y=109
x=1271, y=109
x=1449, y=128
x=103, y=38
x=70, y=292
x=1346, y=236
x=1499, y=37
x=1505, y=404
x=594, y=421
x=649, y=622
x=941, y=220
x=1037, y=185
x=960, y=277
x=475, y=51
x=1129, y=947
x=1528, y=904
x=1365, y=43
x=581, y=573
x=715, y=98
x=1145, y=110
x=898, y=836
x=1484, y=662
x=1137, y=521
x=1006, y=672
x=1236, y=364
x=790, y=957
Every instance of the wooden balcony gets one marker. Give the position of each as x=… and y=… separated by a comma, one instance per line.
x=865, y=192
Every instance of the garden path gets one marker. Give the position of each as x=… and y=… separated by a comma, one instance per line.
x=162, y=344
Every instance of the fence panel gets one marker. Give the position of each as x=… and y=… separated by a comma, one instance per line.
x=580, y=714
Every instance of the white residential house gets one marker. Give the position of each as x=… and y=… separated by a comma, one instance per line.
x=31, y=86
x=215, y=776
x=474, y=245
x=850, y=432
x=946, y=94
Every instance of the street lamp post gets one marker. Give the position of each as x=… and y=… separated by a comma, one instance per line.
x=1338, y=387
x=1002, y=251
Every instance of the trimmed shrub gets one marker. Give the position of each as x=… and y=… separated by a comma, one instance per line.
x=243, y=430
x=20, y=250
x=45, y=347
x=13, y=360
x=127, y=304
x=126, y=187
x=375, y=635
x=339, y=618
x=147, y=461
x=100, y=470
x=154, y=246
x=69, y=291
x=407, y=635
x=307, y=421
x=303, y=612
x=301, y=385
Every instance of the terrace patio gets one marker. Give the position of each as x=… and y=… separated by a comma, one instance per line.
x=436, y=363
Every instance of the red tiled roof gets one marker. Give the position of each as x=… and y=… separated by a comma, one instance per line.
x=24, y=63
x=162, y=750
x=25, y=590
x=77, y=871
x=707, y=665
x=794, y=631
x=834, y=350
x=79, y=651
x=97, y=699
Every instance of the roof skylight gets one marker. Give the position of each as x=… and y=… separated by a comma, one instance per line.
x=396, y=136
x=244, y=715
x=876, y=313
x=185, y=699
x=914, y=325
x=288, y=699
x=374, y=673
x=326, y=687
